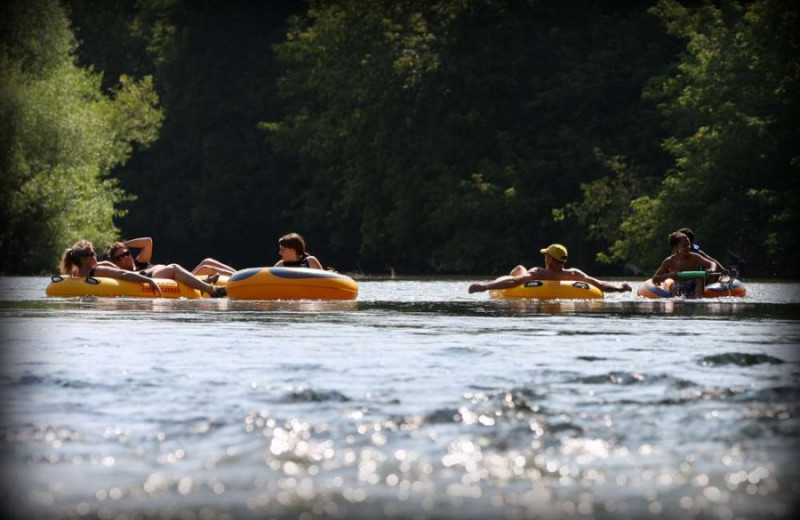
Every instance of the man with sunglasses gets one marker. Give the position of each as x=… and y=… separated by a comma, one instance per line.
x=121, y=256
x=555, y=257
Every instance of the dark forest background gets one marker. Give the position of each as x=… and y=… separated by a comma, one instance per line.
x=423, y=136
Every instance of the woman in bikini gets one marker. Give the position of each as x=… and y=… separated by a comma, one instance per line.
x=81, y=260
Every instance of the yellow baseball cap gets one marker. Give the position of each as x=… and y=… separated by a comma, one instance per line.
x=557, y=251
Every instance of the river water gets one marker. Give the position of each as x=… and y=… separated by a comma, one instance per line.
x=417, y=400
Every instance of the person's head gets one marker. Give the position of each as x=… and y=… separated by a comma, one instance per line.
x=121, y=256
x=688, y=232
x=679, y=241
x=291, y=247
x=555, y=254
x=80, y=254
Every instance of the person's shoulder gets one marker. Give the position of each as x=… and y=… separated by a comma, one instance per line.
x=671, y=258
x=104, y=267
x=313, y=261
x=574, y=272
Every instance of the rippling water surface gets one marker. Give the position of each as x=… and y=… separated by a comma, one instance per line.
x=416, y=401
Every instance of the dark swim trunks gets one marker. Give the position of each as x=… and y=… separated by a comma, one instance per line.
x=685, y=287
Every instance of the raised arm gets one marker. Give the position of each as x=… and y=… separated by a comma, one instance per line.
x=145, y=247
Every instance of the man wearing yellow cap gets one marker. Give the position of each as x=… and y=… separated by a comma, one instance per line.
x=555, y=256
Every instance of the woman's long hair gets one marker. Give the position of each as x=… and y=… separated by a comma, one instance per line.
x=71, y=260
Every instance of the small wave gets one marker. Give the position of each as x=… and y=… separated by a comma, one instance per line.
x=778, y=394
x=35, y=380
x=49, y=433
x=29, y=379
x=704, y=395
x=301, y=367
x=590, y=358
x=466, y=350
x=314, y=396
x=620, y=378
x=741, y=359
x=443, y=416
x=560, y=425
x=490, y=407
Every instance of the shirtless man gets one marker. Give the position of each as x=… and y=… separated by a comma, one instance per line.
x=683, y=259
x=555, y=256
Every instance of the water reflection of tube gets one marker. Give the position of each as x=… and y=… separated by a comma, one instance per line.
x=683, y=307
x=293, y=305
x=533, y=306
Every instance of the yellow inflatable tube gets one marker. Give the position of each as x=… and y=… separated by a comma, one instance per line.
x=550, y=290
x=290, y=283
x=68, y=286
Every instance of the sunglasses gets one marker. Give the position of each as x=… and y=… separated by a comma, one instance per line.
x=121, y=255
x=87, y=253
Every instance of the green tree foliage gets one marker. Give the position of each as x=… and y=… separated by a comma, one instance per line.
x=209, y=186
x=60, y=137
x=425, y=135
x=440, y=135
x=731, y=107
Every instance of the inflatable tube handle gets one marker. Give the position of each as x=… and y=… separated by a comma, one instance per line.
x=534, y=283
x=56, y=278
x=691, y=274
x=91, y=280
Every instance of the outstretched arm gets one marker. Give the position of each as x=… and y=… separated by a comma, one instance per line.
x=145, y=247
x=130, y=276
x=505, y=282
x=603, y=286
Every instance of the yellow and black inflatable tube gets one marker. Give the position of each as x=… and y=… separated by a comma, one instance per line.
x=290, y=283
x=550, y=290
x=68, y=286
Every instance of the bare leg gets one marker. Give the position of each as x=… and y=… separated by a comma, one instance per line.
x=178, y=273
x=211, y=266
x=699, y=288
